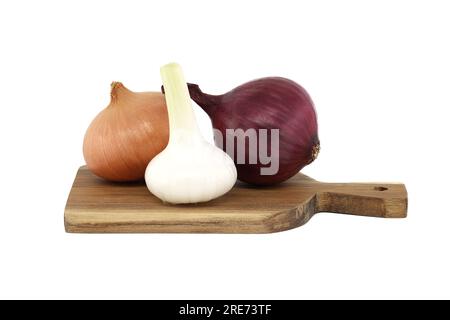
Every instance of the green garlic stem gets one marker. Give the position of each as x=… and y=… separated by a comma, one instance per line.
x=179, y=106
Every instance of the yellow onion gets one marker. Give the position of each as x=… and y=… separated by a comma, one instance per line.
x=127, y=134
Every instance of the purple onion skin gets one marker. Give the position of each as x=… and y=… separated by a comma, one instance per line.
x=267, y=103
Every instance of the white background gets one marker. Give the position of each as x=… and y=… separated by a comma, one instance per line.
x=378, y=71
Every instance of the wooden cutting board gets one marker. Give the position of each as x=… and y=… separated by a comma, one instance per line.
x=97, y=206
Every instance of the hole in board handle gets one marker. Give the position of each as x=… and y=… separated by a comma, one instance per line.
x=380, y=188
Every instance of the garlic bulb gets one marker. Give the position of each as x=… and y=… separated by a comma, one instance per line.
x=189, y=169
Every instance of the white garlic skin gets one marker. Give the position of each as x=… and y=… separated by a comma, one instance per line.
x=190, y=171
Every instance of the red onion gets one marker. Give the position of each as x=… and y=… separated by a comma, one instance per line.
x=266, y=103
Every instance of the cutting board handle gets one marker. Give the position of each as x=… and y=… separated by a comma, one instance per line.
x=365, y=199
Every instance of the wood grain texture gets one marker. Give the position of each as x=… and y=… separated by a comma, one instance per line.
x=97, y=206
